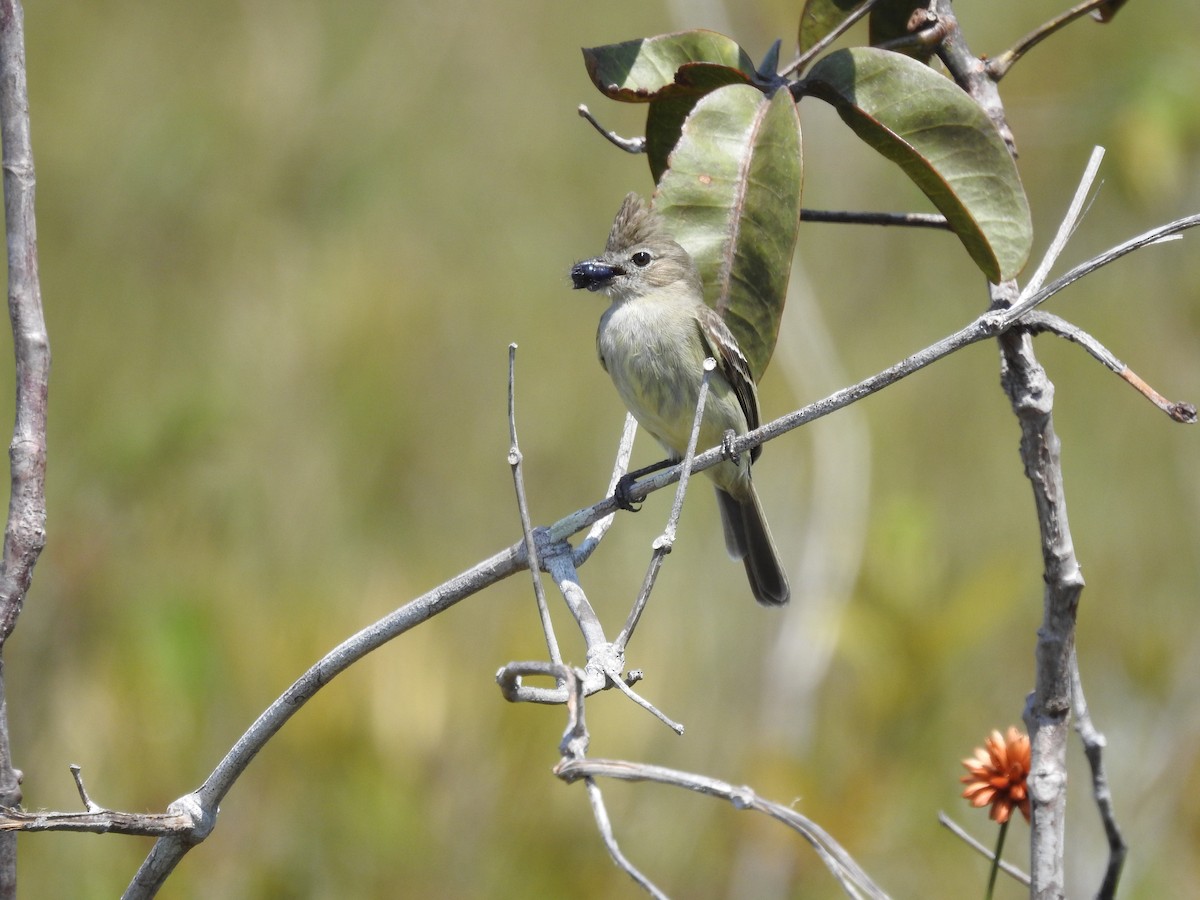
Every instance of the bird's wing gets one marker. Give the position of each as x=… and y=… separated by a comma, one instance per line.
x=722, y=346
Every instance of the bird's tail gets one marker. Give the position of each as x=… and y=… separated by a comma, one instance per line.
x=748, y=538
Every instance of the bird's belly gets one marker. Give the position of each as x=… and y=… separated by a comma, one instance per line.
x=658, y=375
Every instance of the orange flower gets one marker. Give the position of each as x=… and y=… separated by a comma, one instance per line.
x=997, y=775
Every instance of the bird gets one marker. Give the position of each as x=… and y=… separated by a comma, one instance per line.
x=653, y=340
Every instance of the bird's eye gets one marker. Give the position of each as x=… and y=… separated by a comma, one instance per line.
x=641, y=259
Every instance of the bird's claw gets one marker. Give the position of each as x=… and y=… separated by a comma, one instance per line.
x=727, y=445
x=621, y=494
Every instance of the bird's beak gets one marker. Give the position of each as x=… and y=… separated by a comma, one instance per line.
x=594, y=274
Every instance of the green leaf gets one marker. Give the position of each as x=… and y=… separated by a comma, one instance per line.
x=942, y=140
x=731, y=197
x=665, y=118
x=645, y=69
x=819, y=17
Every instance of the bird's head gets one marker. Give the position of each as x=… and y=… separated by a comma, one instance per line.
x=640, y=257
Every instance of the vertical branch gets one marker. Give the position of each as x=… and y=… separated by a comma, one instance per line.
x=25, y=532
x=1048, y=709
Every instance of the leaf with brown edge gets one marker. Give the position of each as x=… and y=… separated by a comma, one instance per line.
x=942, y=140
x=645, y=69
x=731, y=197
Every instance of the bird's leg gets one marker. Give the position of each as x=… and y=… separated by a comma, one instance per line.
x=727, y=440
x=626, y=482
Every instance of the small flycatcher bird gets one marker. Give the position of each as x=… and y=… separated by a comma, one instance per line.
x=653, y=341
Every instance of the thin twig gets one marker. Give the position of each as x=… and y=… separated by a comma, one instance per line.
x=102, y=822
x=604, y=826
x=1039, y=321
x=629, y=145
x=998, y=66
x=77, y=774
x=574, y=746
x=664, y=543
x=818, y=48
x=1069, y=222
x=958, y=831
x=588, y=545
x=852, y=876
x=1145, y=239
x=1093, y=748
x=514, y=462
x=845, y=217
x=620, y=684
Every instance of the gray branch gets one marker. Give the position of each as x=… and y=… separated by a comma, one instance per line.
x=25, y=530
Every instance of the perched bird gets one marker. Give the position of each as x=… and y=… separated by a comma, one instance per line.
x=653, y=341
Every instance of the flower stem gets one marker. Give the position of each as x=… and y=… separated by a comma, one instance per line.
x=996, y=859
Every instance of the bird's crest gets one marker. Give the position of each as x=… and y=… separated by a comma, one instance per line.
x=636, y=223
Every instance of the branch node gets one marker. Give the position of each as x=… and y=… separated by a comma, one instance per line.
x=203, y=820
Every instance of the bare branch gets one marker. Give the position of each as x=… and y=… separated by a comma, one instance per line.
x=1093, y=747
x=514, y=462
x=620, y=466
x=97, y=822
x=1067, y=226
x=998, y=66
x=844, y=217
x=1161, y=234
x=1037, y=322
x=852, y=877
x=1031, y=395
x=629, y=145
x=25, y=528
x=25, y=532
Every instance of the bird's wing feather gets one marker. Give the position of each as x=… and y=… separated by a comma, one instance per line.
x=722, y=346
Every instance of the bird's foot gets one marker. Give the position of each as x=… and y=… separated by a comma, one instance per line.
x=621, y=494
x=727, y=445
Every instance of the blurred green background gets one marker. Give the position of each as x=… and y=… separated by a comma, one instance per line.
x=284, y=247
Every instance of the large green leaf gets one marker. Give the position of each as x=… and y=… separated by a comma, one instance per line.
x=942, y=140
x=642, y=70
x=731, y=197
